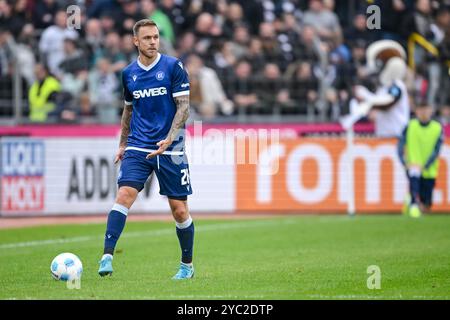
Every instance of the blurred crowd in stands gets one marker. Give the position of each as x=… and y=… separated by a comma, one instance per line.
x=261, y=57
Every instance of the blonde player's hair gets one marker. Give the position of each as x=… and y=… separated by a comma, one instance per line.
x=143, y=23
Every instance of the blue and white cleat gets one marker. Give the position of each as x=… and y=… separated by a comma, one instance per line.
x=106, y=265
x=185, y=272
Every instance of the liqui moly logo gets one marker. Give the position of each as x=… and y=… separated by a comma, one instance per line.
x=22, y=175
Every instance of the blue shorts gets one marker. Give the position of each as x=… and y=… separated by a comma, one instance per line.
x=172, y=172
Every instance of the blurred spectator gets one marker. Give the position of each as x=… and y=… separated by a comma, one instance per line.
x=419, y=88
x=6, y=58
x=112, y=51
x=44, y=13
x=358, y=64
x=233, y=18
x=74, y=58
x=255, y=54
x=241, y=41
x=358, y=32
x=393, y=15
x=346, y=10
x=13, y=15
x=269, y=11
x=291, y=28
x=194, y=8
x=288, y=35
x=74, y=69
x=73, y=86
x=6, y=51
x=443, y=33
x=253, y=13
x=128, y=48
x=42, y=94
x=302, y=90
x=272, y=91
x=421, y=21
x=224, y=59
x=5, y=13
x=51, y=45
x=108, y=21
x=150, y=10
x=306, y=48
x=12, y=56
x=442, y=25
x=25, y=49
x=176, y=12
x=443, y=22
x=86, y=112
x=340, y=79
x=21, y=15
x=97, y=8
x=241, y=87
x=185, y=45
x=207, y=31
x=93, y=36
x=270, y=46
x=129, y=16
x=103, y=88
x=324, y=21
x=207, y=96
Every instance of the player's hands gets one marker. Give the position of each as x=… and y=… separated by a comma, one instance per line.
x=163, y=145
x=119, y=155
x=413, y=166
x=414, y=170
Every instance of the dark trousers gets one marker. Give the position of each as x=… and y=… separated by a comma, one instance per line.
x=421, y=190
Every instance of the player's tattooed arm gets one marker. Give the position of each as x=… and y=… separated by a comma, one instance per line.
x=125, y=124
x=182, y=114
x=180, y=117
x=125, y=130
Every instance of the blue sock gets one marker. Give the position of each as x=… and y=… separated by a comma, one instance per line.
x=414, y=189
x=116, y=222
x=185, y=233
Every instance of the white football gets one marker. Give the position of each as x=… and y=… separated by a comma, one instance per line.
x=66, y=267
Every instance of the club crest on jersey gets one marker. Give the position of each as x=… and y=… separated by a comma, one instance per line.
x=134, y=77
x=160, y=75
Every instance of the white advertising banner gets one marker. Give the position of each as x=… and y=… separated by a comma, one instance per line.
x=77, y=176
x=57, y=176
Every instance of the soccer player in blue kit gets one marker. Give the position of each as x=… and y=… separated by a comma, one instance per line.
x=156, y=92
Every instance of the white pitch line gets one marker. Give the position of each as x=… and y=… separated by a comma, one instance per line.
x=214, y=227
x=44, y=242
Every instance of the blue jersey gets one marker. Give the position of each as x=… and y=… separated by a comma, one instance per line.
x=151, y=90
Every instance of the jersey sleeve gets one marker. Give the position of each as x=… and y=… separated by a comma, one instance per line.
x=180, y=80
x=401, y=146
x=396, y=92
x=128, y=97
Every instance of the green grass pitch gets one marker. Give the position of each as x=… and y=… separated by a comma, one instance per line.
x=290, y=257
